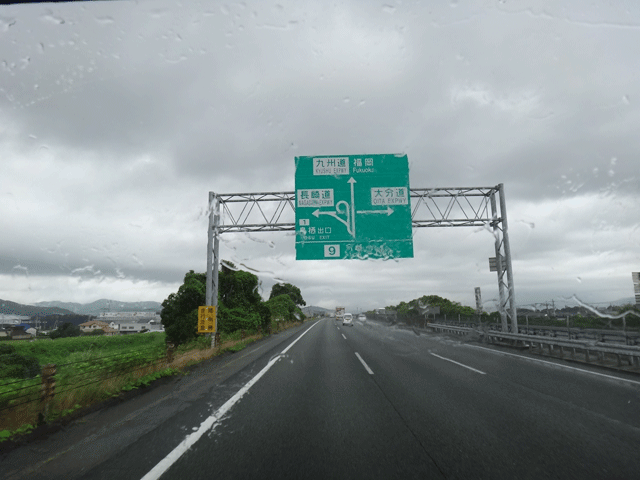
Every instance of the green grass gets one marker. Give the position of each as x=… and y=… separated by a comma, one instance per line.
x=240, y=345
x=69, y=350
x=8, y=434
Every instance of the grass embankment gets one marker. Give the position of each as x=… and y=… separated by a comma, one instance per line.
x=92, y=369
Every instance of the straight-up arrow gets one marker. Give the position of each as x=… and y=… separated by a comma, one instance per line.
x=351, y=181
x=388, y=211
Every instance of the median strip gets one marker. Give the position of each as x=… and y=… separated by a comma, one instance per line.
x=458, y=363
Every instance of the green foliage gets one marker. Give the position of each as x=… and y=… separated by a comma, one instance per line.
x=88, y=348
x=147, y=379
x=6, y=349
x=413, y=311
x=67, y=329
x=96, y=332
x=240, y=305
x=14, y=365
x=241, y=345
x=283, y=307
x=180, y=310
x=287, y=289
x=199, y=343
x=7, y=434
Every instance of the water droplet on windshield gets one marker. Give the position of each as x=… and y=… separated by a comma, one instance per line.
x=51, y=18
x=105, y=20
x=389, y=9
x=6, y=22
x=20, y=268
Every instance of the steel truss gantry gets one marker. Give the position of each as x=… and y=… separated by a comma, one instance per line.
x=483, y=207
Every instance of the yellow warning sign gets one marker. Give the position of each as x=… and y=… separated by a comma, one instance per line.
x=207, y=320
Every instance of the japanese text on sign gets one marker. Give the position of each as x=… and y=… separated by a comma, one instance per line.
x=331, y=166
x=389, y=196
x=315, y=197
x=207, y=319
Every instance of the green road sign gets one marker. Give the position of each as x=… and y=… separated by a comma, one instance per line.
x=353, y=206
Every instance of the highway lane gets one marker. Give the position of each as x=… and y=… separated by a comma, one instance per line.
x=316, y=413
x=518, y=418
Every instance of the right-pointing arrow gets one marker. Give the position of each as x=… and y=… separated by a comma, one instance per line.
x=388, y=211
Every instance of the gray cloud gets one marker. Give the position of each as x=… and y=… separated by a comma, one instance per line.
x=117, y=118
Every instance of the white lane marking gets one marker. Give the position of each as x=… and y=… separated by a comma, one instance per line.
x=343, y=336
x=556, y=365
x=458, y=363
x=364, y=364
x=211, y=421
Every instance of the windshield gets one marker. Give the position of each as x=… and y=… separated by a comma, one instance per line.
x=420, y=162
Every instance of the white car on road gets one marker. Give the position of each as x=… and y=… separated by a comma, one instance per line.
x=347, y=319
x=362, y=317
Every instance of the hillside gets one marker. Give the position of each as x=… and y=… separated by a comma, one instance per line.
x=13, y=308
x=104, y=305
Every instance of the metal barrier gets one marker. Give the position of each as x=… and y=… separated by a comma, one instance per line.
x=555, y=345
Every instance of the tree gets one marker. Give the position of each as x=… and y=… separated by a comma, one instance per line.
x=67, y=329
x=288, y=289
x=240, y=305
x=283, y=308
x=180, y=310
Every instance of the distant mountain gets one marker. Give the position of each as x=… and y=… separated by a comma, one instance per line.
x=624, y=301
x=311, y=310
x=13, y=308
x=104, y=305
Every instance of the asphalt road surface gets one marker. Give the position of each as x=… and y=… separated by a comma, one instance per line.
x=369, y=401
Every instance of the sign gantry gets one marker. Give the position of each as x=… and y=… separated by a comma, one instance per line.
x=318, y=204
x=353, y=206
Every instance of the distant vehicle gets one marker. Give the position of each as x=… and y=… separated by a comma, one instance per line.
x=347, y=319
x=362, y=317
x=339, y=313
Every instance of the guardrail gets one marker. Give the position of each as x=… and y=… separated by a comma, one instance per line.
x=556, y=346
x=574, y=333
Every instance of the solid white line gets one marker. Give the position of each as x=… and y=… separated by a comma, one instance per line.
x=556, y=364
x=343, y=336
x=211, y=421
x=458, y=363
x=364, y=364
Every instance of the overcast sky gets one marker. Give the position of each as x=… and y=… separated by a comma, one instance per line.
x=118, y=118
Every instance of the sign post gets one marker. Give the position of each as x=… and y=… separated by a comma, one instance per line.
x=353, y=207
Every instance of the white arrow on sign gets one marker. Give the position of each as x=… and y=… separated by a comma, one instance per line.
x=346, y=212
x=387, y=210
x=351, y=181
